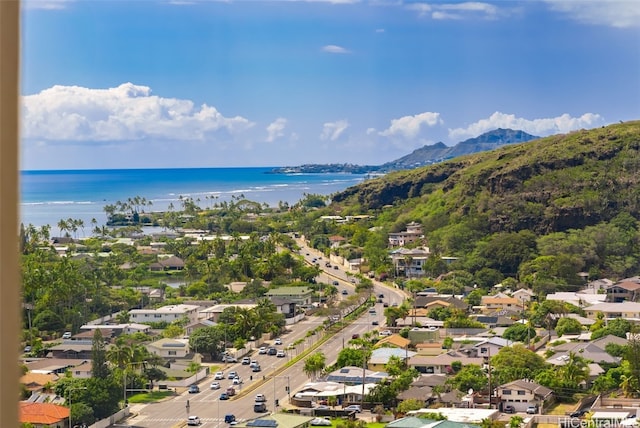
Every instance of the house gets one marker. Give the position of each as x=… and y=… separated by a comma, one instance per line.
x=169, y=348
x=381, y=356
x=356, y=375
x=37, y=382
x=279, y=420
x=579, y=299
x=624, y=291
x=336, y=241
x=493, y=303
x=44, y=415
x=441, y=364
x=627, y=310
x=439, y=300
x=417, y=422
x=487, y=347
x=523, y=393
x=172, y=263
x=297, y=295
x=213, y=313
x=413, y=233
x=284, y=306
x=394, y=340
x=73, y=349
x=409, y=262
x=168, y=314
x=190, y=328
x=523, y=295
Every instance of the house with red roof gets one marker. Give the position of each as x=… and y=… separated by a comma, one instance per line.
x=42, y=415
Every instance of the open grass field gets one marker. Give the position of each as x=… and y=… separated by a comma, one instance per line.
x=149, y=397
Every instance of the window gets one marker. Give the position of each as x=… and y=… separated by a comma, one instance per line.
x=172, y=353
x=506, y=392
x=521, y=392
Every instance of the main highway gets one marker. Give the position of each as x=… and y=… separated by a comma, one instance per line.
x=276, y=380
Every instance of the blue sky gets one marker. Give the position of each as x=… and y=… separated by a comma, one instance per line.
x=144, y=83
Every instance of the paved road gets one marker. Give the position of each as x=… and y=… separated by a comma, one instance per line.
x=211, y=410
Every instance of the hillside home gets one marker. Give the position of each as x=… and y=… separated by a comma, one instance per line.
x=410, y=262
x=624, y=291
x=285, y=306
x=523, y=393
x=335, y=241
x=486, y=348
x=36, y=382
x=440, y=300
x=579, y=299
x=412, y=234
x=492, y=303
x=626, y=310
x=169, y=314
x=523, y=295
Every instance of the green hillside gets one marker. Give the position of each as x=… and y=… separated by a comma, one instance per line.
x=551, y=184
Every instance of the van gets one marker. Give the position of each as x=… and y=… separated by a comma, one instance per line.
x=259, y=407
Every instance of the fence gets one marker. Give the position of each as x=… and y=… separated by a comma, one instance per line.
x=111, y=420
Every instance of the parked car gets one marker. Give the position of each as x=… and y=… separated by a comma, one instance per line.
x=224, y=396
x=246, y=361
x=386, y=333
x=578, y=413
x=278, y=341
x=193, y=421
x=320, y=422
x=231, y=359
x=532, y=410
x=232, y=374
x=215, y=385
x=194, y=389
x=218, y=376
x=353, y=408
x=509, y=409
x=260, y=398
x=322, y=407
x=280, y=354
x=262, y=350
x=66, y=335
x=27, y=349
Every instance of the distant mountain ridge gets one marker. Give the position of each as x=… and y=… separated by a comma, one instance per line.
x=426, y=155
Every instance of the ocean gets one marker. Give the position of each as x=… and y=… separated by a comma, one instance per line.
x=50, y=196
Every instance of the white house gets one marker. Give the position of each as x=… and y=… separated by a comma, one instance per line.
x=626, y=310
x=169, y=348
x=523, y=393
x=167, y=314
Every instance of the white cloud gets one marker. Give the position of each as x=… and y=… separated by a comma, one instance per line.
x=335, y=49
x=45, y=4
x=332, y=130
x=463, y=10
x=614, y=13
x=275, y=129
x=409, y=126
x=126, y=113
x=539, y=127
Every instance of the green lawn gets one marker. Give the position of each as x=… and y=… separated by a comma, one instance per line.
x=149, y=397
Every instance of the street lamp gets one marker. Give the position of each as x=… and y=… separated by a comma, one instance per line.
x=69, y=399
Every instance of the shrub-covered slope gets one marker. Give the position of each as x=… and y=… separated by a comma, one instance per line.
x=550, y=184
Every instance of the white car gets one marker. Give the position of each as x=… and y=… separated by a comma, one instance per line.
x=280, y=354
x=320, y=422
x=261, y=398
x=215, y=385
x=66, y=335
x=278, y=341
x=237, y=380
x=353, y=408
x=218, y=376
x=386, y=333
x=193, y=421
x=262, y=350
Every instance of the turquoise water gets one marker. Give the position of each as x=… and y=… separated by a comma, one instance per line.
x=49, y=196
